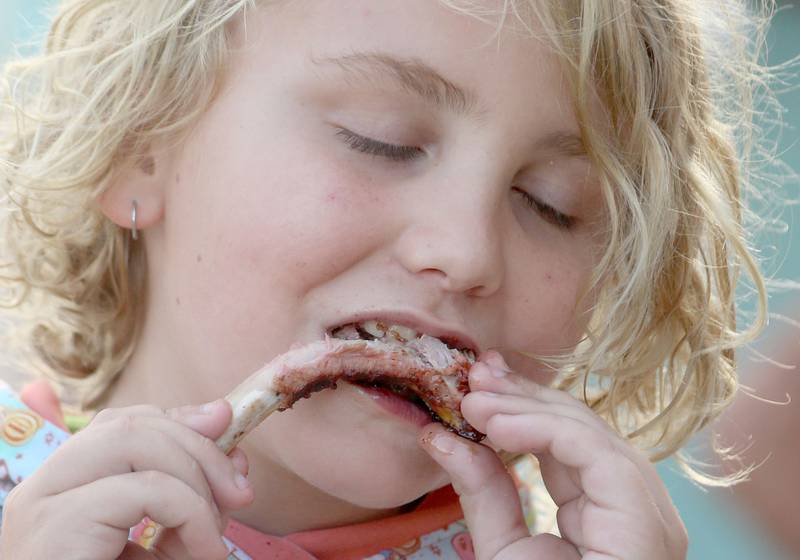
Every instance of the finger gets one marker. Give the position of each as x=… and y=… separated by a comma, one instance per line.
x=489, y=376
x=607, y=477
x=240, y=461
x=217, y=468
x=493, y=375
x=570, y=521
x=159, y=496
x=169, y=541
x=486, y=491
x=142, y=443
x=563, y=483
x=208, y=419
x=478, y=406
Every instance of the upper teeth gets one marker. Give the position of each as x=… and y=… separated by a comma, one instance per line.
x=380, y=329
x=384, y=332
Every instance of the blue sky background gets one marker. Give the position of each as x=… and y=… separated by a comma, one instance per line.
x=718, y=528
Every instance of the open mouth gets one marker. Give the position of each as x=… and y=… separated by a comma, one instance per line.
x=405, y=387
x=417, y=368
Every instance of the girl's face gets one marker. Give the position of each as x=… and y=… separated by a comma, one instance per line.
x=284, y=214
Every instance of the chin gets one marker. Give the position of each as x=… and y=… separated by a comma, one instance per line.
x=367, y=460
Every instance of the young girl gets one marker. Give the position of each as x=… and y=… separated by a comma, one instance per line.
x=195, y=186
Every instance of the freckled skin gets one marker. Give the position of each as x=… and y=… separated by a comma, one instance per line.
x=296, y=230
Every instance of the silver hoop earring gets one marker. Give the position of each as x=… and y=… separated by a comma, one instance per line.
x=134, y=231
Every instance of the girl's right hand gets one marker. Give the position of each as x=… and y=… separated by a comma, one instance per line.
x=129, y=463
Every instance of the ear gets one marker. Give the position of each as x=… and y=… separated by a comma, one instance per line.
x=143, y=179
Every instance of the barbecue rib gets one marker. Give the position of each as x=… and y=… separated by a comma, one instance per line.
x=425, y=366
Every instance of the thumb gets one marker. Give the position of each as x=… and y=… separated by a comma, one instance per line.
x=210, y=419
x=489, y=499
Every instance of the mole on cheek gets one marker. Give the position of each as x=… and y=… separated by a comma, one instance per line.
x=199, y=258
x=548, y=276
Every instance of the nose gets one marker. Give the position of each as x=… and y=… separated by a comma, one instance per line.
x=453, y=237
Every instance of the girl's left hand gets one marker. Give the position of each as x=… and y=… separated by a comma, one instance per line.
x=611, y=501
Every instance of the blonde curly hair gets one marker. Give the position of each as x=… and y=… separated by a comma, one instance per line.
x=676, y=79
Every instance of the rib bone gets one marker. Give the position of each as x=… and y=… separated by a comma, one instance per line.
x=436, y=373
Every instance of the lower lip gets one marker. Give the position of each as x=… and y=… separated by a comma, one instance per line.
x=397, y=406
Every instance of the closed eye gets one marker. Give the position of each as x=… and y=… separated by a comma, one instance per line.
x=549, y=213
x=376, y=148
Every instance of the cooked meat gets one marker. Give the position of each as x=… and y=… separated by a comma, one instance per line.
x=424, y=366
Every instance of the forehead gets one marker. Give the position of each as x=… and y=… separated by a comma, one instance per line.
x=453, y=61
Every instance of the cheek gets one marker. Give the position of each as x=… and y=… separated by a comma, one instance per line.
x=542, y=313
x=308, y=222
x=247, y=236
x=282, y=220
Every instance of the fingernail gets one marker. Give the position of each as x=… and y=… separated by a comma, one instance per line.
x=198, y=410
x=445, y=444
x=208, y=408
x=241, y=481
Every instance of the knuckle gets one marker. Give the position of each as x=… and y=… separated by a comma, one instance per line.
x=124, y=424
x=110, y=414
x=155, y=480
x=105, y=415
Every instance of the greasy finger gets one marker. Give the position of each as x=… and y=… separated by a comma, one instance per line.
x=487, y=493
x=159, y=496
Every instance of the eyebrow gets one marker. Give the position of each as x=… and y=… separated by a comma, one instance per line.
x=412, y=75
x=423, y=81
x=561, y=142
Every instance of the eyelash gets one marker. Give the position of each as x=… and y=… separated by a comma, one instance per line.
x=549, y=213
x=407, y=153
x=376, y=148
